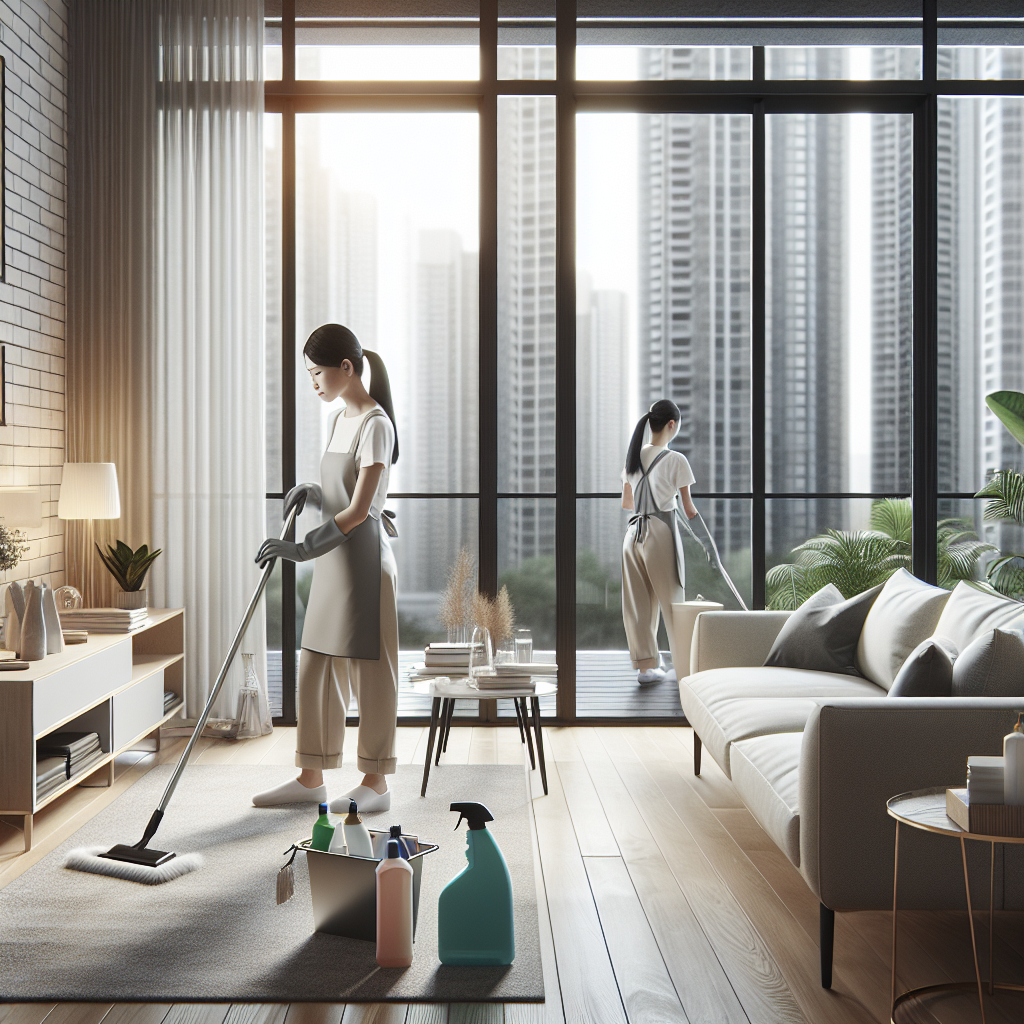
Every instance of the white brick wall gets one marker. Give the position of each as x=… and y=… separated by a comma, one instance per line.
x=34, y=43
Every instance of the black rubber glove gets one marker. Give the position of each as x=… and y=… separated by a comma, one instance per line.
x=702, y=535
x=326, y=537
x=302, y=495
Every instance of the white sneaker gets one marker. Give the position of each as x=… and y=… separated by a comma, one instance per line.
x=651, y=675
x=368, y=801
x=670, y=676
x=290, y=792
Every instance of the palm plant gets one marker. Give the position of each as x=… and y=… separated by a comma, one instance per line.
x=1005, y=491
x=856, y=560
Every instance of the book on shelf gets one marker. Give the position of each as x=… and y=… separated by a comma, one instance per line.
x=78, y=770
x=104, y=620
x=70, y=745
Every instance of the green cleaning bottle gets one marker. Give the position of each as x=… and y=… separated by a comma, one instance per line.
x=323, y=831
x=474, y=913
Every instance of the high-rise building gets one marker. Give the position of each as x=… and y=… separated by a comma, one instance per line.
x=694, y=287
x=526, y=314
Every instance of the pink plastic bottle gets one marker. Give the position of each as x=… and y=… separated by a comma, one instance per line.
x=394, y=909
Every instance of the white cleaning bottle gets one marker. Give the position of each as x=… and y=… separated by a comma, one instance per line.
x=357, y=839
x=394, y=909
x=338, y=841
x=1013, y=764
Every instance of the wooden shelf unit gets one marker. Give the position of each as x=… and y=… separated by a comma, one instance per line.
x=113, y=685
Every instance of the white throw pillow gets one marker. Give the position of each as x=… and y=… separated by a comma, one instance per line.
x=971, y=611
x=904, y=614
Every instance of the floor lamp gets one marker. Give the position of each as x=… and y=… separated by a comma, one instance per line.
x=88, y=491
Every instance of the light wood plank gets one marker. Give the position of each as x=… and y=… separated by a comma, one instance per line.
x=197, y=1013
x=24, y=1013
x=586, y=808
x=589, y=992
x=427, y=1013
x=560, y=744
x=252, y=750
x=78, y=1013
x=483, y=745
x=137, y=1013
x=476, y=1013
x=644, y=982
x=511, y=749
x=794, y=952
x=702, y=934
x=406, y=740
x=459, y=740
x=255, y=1013
x=315, y=1013
x=375, y=1013
x=284, y=738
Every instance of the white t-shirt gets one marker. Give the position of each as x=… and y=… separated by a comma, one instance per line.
x=666, y=478
x=376, y=445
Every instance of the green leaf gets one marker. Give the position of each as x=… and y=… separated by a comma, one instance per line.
x=128, y=567
x=1009, y=407
x=787, y=587
x=1005, y=490
x=894, y=517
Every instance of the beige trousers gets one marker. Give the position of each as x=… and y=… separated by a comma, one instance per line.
x=650, y=584
x=326, y=686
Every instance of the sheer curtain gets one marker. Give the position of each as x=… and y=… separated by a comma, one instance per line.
x=165, y=318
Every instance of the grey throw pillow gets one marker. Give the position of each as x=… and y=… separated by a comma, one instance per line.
x=822, y=634
x=928, y=670
x=992, y=666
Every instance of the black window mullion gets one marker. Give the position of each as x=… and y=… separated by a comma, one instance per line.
x=758, y=201
x=565, y=358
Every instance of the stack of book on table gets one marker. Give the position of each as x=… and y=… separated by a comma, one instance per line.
x=104, y=620
x=62, y=756
x=446, y=659
x=515, y=675
x=985, y=780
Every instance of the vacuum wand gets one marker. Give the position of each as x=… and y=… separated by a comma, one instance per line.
x=154, y=821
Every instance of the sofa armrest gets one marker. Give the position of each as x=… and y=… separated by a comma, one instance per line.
x=733, y=639
x=855, y=755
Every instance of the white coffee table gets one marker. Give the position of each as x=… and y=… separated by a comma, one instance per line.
x=444, y=692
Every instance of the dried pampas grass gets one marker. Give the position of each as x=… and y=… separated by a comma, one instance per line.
x=455, y=601
x=495, y=615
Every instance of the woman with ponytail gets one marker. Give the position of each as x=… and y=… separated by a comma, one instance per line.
x=350, y=635
x=653, y=572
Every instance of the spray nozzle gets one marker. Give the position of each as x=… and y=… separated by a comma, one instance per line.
x=476, y=814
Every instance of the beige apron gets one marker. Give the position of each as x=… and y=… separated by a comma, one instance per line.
x=343, y=611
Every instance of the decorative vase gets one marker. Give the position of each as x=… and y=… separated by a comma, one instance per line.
x=248, y=715
x=54, y=635
x=14, y=612
x=33, y=626
x=458, y=634
x=481, y=654
x=131, y=599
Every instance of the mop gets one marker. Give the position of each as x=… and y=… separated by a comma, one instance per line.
x=718, y=559
x=138, y=863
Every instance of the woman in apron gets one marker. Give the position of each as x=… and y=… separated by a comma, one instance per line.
x=653, y=571
x=350, y=635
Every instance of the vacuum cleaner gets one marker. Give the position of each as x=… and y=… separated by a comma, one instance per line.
x=139, y=863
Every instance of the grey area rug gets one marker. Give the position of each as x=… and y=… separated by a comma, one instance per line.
x=218, y=935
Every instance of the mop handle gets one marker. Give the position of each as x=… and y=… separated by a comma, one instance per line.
x=721, y=567
x=232, y=651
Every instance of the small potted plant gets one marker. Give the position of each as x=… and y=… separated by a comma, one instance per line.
x=129, y=568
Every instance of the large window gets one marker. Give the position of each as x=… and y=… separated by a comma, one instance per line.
x=544, y=227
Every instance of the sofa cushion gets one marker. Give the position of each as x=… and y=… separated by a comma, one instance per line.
x=992, y=666
x=904, y=614
x=822, y=634
x=728, y=704
x=928, y=670
x=971, y=611
x=766, y=775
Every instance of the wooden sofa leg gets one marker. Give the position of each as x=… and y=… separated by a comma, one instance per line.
x=826, y=942
x=696, y=754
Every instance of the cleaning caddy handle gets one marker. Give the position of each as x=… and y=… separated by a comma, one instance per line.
x=232, y=651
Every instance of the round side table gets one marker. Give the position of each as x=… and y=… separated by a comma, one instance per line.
x=446, y=690
x=925, y=809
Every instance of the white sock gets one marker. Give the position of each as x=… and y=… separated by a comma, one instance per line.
x=290, y=792
x=368, y=801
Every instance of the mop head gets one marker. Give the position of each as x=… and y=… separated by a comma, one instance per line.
x=87, y=858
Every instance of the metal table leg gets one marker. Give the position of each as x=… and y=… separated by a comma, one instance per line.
x=520, y=703
x=435, y=707
x=540, y=745
x=519, y=719
x=448, y=723
x=970, y=921
x=442, y=739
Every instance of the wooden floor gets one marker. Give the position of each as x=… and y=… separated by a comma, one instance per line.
x=661, y=900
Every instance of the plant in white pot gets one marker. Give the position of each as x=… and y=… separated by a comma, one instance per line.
x=129, y=568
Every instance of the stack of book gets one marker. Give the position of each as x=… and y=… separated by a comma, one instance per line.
x=446, y=659
x=984, y=780
x=514, y=675
x=170, y=699
x=62, y=756
x=104, y=620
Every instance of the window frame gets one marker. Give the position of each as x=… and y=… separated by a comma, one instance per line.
x=757, y=97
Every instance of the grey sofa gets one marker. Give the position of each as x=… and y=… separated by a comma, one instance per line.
x=815, y=755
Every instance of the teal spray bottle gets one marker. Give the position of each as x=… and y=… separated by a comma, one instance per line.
x=474, y=913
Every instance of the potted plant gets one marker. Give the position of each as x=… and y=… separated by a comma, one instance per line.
x=129, y=568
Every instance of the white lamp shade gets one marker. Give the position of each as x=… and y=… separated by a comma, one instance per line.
x=21, y=506
x=88, y=490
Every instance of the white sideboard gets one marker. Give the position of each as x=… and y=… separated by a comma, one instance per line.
x=113, y=685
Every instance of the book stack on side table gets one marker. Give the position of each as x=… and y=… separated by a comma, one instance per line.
x=446, y=659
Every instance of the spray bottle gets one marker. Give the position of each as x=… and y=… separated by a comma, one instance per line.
x=474, y=913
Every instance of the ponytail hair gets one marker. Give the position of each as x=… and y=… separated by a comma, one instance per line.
x=659, y=415
x=332, y=344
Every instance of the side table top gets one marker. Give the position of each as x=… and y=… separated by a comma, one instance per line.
x=459, y=688
x=926, y=809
